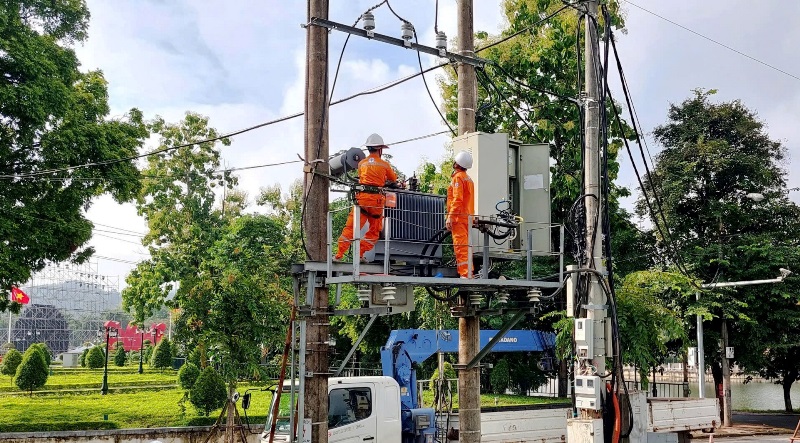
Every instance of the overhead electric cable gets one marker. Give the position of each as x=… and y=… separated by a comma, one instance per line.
x=743, y=54
x=522, y=31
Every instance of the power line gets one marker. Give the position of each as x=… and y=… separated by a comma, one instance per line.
x=522, y=31
x=715, y=41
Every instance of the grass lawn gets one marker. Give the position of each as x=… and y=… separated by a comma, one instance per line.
x=502, y=400
x=144, y=409
x=88, y=379
x=140, y=407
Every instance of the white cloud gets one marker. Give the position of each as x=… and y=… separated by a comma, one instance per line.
x=242, y=63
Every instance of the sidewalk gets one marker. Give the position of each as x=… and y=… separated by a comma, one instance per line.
x=747, y=424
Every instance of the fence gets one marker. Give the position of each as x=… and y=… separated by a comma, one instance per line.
x=661, y=389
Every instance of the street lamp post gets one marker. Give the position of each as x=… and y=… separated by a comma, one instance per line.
x=111, y=328
x=701, y=376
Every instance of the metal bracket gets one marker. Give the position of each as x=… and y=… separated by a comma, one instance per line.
x=474, y=61
x=497, y=337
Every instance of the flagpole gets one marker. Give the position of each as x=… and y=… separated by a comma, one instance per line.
x=9, y=324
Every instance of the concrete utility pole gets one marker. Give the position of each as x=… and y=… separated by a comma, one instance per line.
x=314, y=224
x=592, y=186
x=469, y=410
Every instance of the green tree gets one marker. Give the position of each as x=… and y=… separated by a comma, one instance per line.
x=54, y=115
x=548, y=107
x=647, y=326
x=208, y=392
x=96, y=358
x=11, y=361
x=82, y=358
x=713, y=156
x=119, y=356
x=194, y=357
x=500, y=377
x=187, y=375
x=32, y=372
x=45, y=351
x=162, y=355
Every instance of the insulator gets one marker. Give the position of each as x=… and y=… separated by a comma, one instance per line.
x=407, y=30
x=364, y=294
x=441, y=41
x=534, y=294
x=502, y=297
x=475, y=299
x=369, y=21
x=388, y=292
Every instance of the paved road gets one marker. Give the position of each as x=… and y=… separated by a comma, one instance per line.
x=786, y=421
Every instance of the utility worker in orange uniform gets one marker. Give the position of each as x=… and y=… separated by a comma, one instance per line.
x=460, y=209
x=376, y=172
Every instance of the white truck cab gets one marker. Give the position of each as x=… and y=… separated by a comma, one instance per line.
x=360, y=409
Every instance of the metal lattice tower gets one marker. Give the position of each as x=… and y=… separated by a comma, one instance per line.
x=69, y=303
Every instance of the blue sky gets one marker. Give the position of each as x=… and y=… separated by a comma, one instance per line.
x=241, y=63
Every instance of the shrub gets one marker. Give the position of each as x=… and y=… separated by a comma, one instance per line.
x=500, y=377
x=119, y=356
x=187, y=375
x=11, y=362
x=162, y=355
x=208, y=392
x=82, y=359
x=194, y=357
x=45, y=351
x=449, y=373
x=96, y=358
x=32, y=372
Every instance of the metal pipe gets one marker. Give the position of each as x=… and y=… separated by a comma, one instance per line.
x=352, y=351
x=560, y=255
x=387, y=235
x=485, y=266
x=329, y=240
x=528, y=270
x=497, y=337
x=701, y=357
x=356, y=238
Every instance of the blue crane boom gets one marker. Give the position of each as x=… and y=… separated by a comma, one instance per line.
x=407, y=347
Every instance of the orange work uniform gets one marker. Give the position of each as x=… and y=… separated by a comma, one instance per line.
x=372, y=171
x=460, y=208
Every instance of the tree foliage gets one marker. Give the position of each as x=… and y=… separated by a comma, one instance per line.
x=187, y=375
x=120, y=356
x=647, y=326
x=713, y=156
x=45, y=351
x=162, y=355
x=500, y=377
x=96, y=358
x=54, y=115
x=32, y=372
x=11, y=361
x=208, y=392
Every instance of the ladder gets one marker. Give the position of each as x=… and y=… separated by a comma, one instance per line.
x=795, y=435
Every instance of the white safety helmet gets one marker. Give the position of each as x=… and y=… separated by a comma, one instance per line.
x=375, y=140
x=464, y=159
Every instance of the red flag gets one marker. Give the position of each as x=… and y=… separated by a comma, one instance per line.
x=18, y=296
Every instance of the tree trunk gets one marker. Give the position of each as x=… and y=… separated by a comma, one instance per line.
x=685, y=364
x=563, y=379
x=788, y=379
x=716, y=374
x=230, y=425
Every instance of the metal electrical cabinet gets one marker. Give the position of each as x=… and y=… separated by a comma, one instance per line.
x=507, y=170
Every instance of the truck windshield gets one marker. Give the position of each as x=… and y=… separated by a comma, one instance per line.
x=282, y=423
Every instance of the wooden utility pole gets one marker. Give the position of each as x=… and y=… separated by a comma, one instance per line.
x=592, y=188
x=314, y=223
x=469, y=405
